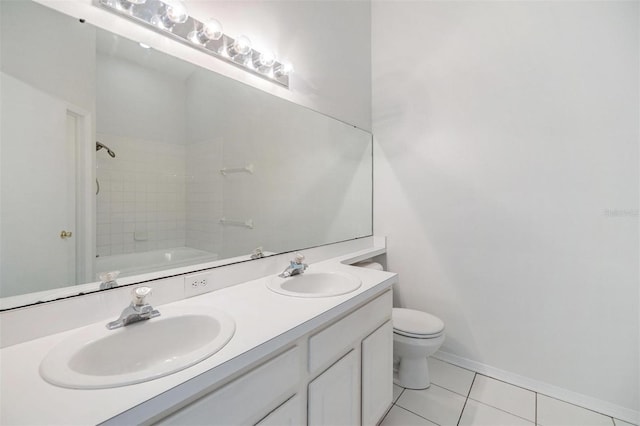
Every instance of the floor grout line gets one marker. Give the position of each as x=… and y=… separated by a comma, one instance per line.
x=467, y=399
x=504, y=381
x=422, y=417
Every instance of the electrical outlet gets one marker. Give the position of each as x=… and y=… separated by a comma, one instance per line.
x=196, y=284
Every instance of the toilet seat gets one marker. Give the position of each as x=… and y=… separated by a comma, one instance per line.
x=416, y=324
x=417, y=336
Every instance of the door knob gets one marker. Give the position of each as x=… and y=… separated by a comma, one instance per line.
x=66, y=234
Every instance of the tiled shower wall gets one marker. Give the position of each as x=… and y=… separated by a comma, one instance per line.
x=141, y=204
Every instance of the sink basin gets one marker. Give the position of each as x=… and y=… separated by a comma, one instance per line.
x=96, y=358
x=315, y=284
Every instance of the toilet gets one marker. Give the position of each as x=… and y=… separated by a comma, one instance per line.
x=416, y=335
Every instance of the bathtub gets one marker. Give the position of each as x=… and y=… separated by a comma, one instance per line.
x=151, y=261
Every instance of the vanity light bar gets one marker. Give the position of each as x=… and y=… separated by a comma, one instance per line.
x=170, y=17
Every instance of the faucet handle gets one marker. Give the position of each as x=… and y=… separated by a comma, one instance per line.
x=139, y=295
x=299, y=258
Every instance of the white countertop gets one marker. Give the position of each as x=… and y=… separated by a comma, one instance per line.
x=264, y=321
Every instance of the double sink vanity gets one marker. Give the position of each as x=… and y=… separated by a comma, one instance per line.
x=313, y=348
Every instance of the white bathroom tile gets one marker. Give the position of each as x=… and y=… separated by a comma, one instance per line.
x=504, y=396
x=553, y=412
x=103, y=229
x=128, y=207
x=128, y=197
x=116, y=207
x=116, y=185
x=117, y=228
x=103, y=250
x=435, y=403
x=478, y=414
x=117, y=218
x=400, y=417
x=450, y=376
x=103, y=240
x=619, y=422
x=129, y=186
x=397, y=390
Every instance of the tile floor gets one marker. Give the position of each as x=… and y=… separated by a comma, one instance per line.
x=460, y=397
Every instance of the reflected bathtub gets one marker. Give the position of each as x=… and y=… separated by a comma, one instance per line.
x=152, y=261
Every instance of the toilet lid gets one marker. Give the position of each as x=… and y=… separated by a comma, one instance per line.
x=412, y=323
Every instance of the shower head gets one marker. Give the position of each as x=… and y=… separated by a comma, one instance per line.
x=99, y=146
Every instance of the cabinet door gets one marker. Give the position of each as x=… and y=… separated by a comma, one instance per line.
x=288, y=414
x=377, y=374
x=334, y=396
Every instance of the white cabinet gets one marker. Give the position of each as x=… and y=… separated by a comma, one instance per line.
x=337, y=374
x=334, y=396
x=368, y=335
x=377, y=374
x=247, y=399
x=291, y=413
x=326, y=346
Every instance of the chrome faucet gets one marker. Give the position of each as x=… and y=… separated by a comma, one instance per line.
x=296, y=267
x=108, y=279
x=257, y=254
x=137, y=311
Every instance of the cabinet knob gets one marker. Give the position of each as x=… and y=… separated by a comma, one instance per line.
x=66, y=234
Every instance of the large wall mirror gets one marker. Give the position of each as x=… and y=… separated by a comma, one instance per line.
x=118, y=157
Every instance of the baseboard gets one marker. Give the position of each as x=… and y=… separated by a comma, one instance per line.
x=593, y=404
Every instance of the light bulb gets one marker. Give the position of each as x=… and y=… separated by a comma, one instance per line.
x=240, y=47
x=264, y=61
x=267, y=58
x=285, y=68
x=210, y=30
x=129, y=4
x=176, y=12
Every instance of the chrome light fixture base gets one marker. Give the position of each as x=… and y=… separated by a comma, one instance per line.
x=150, y=12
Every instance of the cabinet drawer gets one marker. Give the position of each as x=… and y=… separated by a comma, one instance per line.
x=248, y=398
x=334, y=341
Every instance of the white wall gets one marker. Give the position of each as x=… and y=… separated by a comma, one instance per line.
x=507, y=182
x=52, y=56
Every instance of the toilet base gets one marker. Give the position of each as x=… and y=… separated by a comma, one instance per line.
x=412, y=373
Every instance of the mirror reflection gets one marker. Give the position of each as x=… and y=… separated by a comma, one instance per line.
x=116, y=157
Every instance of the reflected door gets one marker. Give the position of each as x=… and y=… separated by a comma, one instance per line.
x=38, y=179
